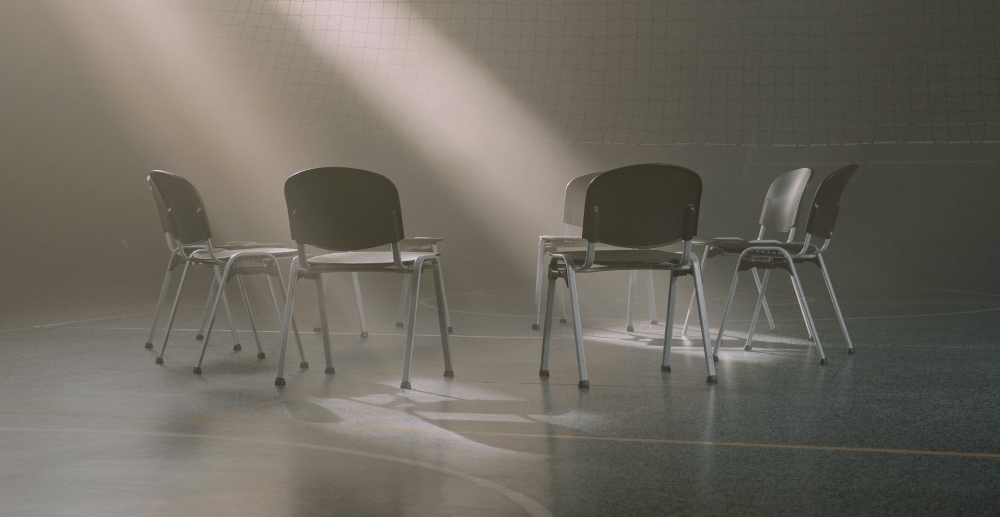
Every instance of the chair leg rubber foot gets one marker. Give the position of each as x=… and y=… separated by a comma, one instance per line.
x=304, y=365
x=149, y=346
x=534, y=326
x=665, y=368
x=850, y=351
x=405, y=385
x=563, y=320
x=543, y=373
x=583, y=385
x=449, y=373
x=715, y=358
x=713, y=378
x=237, y=347
x=451, y=330
x=159, y=360
x=630, y=328
x=197, y=370
x=822, y=361
x=364, y=334
x=317, y=330
x=654, y=322
x=200, y=337
x=330, y=370
x=279, y=381
x=261, y=355
x=747, y=348
x=399, y=325
x=812, y=338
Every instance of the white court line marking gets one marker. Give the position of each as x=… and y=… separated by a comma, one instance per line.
x=534, y=508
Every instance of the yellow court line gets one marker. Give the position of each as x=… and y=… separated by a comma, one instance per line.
x=667, y=441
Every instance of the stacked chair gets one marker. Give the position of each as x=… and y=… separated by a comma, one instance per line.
x=576, y=191
x=769, y=255
x=781, y=207
x=634, y=209
x=350, y=213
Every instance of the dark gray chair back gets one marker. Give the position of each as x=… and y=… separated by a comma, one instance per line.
x=182, y=211
x=343, y=209
x=826, y=202
x=642, y=206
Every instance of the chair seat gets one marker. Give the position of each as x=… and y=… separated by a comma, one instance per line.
x=361, y=259
x=420, y=244
x=629, y=259
x=224, y=254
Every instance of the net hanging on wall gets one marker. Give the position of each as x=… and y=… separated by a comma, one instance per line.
x=660, y=72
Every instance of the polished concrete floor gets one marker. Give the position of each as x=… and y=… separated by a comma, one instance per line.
x=908, y=425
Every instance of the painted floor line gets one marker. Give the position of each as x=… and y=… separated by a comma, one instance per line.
x=534, y=508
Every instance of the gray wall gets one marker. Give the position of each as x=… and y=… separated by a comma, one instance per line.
x=79, y=225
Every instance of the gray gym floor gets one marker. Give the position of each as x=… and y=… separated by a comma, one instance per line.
x=89, y=425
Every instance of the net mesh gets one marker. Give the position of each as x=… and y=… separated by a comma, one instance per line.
x=659, y=72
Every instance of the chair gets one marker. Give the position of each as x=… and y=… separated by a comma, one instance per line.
x=781, y=207
x=350, y=212
x=413, y=244
x=189, y=237
x=635, y=208
x=576, y=191
x=768, y=255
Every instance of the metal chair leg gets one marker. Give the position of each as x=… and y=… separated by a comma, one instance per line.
x=253, y=324
x=805, y=307
x=668, y=332
x=444, y=296
x=538, y=283
x=651, y=294
x=317, y=327
x=361, y=305
x=725, y=313
x=562, y=305
x=767, y=308
x=836, y=304
x=205, y=314
x=442, y=307
x=173, y=313
x=687, y=317
x=229, y=313
x=219, y=294
x=414, y=302
x=323, y=325
x=403, y=297
x=756, y=310
x=581, y=360
x=798, y=299
x=630, y=311
x=550, y=297
x=277, y=311
x=159, y=303
x=703, y=317
x=286, y=322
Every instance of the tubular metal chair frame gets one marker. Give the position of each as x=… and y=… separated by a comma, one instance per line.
x=314, y=267
x=770, y=255
x=564, y=265
x=551, y=244
x=407, y=245
x=780, y=215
